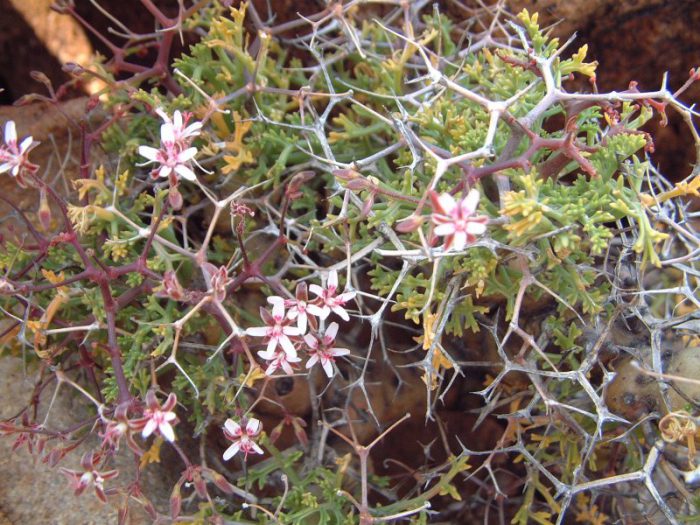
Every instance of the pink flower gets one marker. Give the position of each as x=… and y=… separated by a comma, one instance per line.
x=171, y=159
x=277, y=330
x=182, y=134
x=80, y=480
x=330, y=302
x=117, y=429
x=175, y=153
x=114, y=431
x=278, y=359
x=242, y=437
x=456, y=221
x=15, y=157
x=322, y=350
x=156, y=417
x=299, y=307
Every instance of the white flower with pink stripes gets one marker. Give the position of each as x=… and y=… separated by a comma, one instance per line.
x=456, y=221
x=278, y=359
x=175, y=155
x=14, y=157
x=243, y=438
x=322, y=349
x=330, y=300
x=276, y=330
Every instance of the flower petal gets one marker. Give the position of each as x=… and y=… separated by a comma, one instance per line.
x=447, y=203
x=185, y=172
x=346, y=296
x=331, y=332
x=233, y=428
x=149, y=152
x=167, y=133
x=327, y=367
x=314, y=310
x=165, y=171
x=278, y=311
x=341, y=312
x=476, y=228
x=287, y=346
x=252, y=427
x=301, y=323
x=26, y=143
x=10, y=132
x=186, y=155
x=445, y=229
x=469, y=203
x=459, y=241
x=258, y=331
x=162, y=114
x=332, y=280
x=316, y=289
x=177, y=119
x=287, y=367
x=149, y=428
x=166, y=430
x=312, y=361
x=311, y=341
x=267, y=356
x=193, y=129
x=291, y=330
x=232, y=450
x=273, y=299
x=325, y=312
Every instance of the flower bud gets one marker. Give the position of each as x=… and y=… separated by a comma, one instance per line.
x=367, y=206
x=358, y=185
x=44, y=210
x=346, y=175
x=175, y=502
x=409, y=224
x=221, y=482
x=200, y=486
x=175, y=198
x=293, y=190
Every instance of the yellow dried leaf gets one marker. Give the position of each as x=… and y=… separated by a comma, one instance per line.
x=251, y=377
x=152, y=455
x=52, y=277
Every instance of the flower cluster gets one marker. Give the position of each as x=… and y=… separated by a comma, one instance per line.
x=156, y=418
x=285, y=329
x=14, y=157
